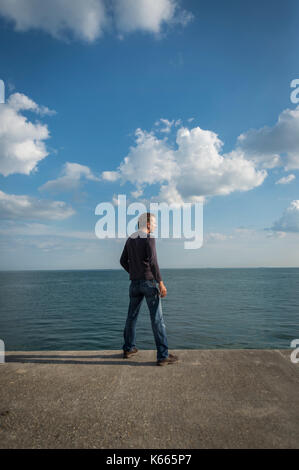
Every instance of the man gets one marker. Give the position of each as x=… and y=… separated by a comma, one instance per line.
x=139, y=259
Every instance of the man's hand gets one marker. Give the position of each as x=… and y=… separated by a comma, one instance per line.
x=162, y=289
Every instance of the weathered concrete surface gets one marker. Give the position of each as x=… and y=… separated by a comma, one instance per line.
x=96, y=399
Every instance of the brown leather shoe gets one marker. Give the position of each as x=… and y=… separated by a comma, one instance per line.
x=128, y=354
x=171, y=359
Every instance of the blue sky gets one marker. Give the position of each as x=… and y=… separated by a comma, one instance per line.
x=190, y=77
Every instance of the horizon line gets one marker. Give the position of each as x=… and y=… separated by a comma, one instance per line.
x=120, y=269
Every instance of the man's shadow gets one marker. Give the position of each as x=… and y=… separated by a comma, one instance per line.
x=69, y=359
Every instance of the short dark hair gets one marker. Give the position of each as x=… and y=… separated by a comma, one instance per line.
x=145, y=216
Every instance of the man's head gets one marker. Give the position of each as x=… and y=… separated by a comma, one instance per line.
x=147, y=222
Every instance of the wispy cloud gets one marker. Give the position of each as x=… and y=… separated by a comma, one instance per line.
x=72, y=176
x=21, y=102
x=14, y=206
x=216, y=237
x=167, y=124
x=34, y=229
x=110, y=175
x=286, y=179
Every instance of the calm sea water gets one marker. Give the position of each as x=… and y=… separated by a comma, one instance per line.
x=204, y=309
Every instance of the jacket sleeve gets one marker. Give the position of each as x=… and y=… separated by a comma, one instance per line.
x=152, y=256
x=124, y=259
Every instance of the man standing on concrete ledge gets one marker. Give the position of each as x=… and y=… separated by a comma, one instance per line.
x=139, y=259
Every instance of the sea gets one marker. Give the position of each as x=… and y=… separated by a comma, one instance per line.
x=205, y=308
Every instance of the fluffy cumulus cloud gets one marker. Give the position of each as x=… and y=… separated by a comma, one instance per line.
x=149, y=161
x=148, y=15
x=83, y=19
x=274, y=146
x=21, y=141
x=88, y=19
x=205, y=171
x=289, y=221
x=71, y=178
x=195, y=167
x=188, y=172
x=14, y=206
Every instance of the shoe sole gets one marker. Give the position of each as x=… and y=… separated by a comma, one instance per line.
x=166, y=363
x=132, y=354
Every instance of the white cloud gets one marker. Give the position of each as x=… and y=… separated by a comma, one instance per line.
x=87, y=20
x=13, y=206
x=72, y=175
x=44, y=245
x=137, y=193
x=167, y=124
x=257, y=235
x=274, y=146
x=286, y=179
x=13, y=228
x=83, y=19
x=244, y=231
x=57, y=244
x=33, y=245
x=169, y=193
x=207, y=172
x=197, y=168
x=248, y=235
x=216, y=236
x=19, y=101
x=148, y=15
x=148, y=162
x=110, y=175
x=190, y=172
x=276, y=234
x=289, y=221
x=21, y=141
x=115, y=200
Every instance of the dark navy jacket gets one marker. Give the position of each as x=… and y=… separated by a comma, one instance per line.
x=139, y=257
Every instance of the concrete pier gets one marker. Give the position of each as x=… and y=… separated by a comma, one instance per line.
x=95, y=399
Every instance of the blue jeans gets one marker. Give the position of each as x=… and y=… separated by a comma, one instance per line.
x=138, y=290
